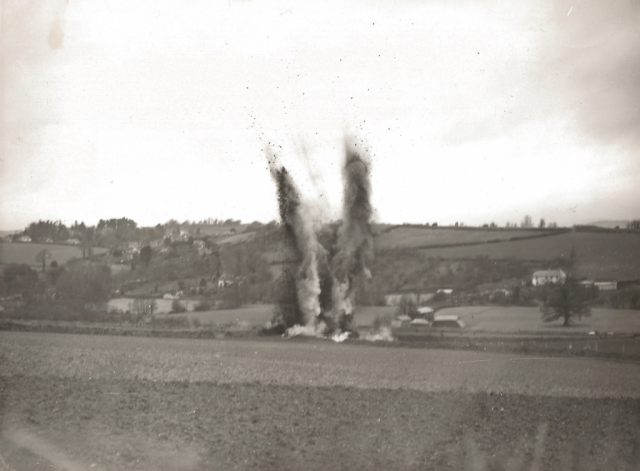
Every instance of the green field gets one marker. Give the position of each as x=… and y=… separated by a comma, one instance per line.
x=487, y=319
x=417, y=237
x=26, y=253
x=258, y=315
x=599, y=255
x=163, y=305
x=493, y=319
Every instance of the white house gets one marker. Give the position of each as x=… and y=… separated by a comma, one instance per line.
x=225, y=280
x=543, y=277
x=25, y=238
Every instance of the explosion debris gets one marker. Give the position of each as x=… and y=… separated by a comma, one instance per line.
x=325, y=282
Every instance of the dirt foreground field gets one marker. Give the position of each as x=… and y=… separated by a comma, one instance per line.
x=119, y=403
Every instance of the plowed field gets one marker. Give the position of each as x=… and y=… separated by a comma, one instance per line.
x=121, y=403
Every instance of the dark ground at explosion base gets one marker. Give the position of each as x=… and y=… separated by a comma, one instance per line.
x=134, y=424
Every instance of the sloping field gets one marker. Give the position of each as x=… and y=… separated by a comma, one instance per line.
x=527, y=319
x=417, y=237
x=220, y=230
x=6, y=233
x=599, y=255
x=26, y=253
x=234, y=239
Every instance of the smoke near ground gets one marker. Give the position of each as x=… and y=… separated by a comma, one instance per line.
x=325, y=279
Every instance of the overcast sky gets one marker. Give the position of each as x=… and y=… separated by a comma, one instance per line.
x=474, y=111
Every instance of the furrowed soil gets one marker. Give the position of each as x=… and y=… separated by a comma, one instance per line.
x=119, y=403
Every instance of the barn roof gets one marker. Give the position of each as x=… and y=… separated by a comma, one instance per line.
x=425, y=310
x=419, y=321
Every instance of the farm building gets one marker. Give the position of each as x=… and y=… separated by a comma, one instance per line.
x=48, y=240
x=25, y=238
x=225, y=280
x=543, y=277
x=419, y=324
x=447, y=321
x=425, y=312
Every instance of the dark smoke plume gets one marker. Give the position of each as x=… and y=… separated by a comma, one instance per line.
x=301, y=241
x=355, y=239
x=318, y=286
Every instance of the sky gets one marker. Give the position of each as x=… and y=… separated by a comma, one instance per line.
x=474, y=111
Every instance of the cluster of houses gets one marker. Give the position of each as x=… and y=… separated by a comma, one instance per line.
x=559, y=277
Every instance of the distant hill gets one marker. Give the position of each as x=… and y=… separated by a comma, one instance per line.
x=6, y=233
x=609, y=224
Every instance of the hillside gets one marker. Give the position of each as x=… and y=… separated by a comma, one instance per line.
x=421, y=237
x=221, y=230
x=600, y=255
x=26, y=253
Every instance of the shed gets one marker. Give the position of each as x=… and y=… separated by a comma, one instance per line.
x=448, y=321
x=419, y=324
x=426, y=312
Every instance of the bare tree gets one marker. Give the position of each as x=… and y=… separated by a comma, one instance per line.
x=407, y=306
x=142, y=308
x=43, y=256
x=635, y=224
x=527, y=222
x=566, y=301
